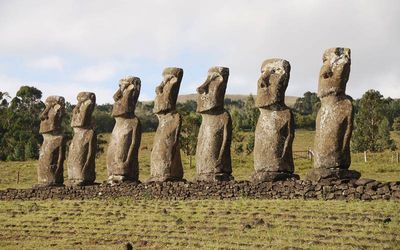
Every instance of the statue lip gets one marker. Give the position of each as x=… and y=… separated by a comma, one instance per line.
x=273, y=106
x=214, y=110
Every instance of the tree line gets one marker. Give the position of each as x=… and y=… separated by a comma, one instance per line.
x=375, y=117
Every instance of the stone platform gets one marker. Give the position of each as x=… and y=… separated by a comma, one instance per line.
x=362, y=189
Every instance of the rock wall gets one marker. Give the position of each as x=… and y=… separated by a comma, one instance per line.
x=362, y=189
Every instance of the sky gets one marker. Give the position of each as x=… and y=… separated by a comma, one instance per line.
x=65, y=47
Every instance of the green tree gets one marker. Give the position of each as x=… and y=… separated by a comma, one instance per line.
x=308, y=104
x=237, y=119
x=250, y=143
x=144, y=111
x=238, y=143
x=304, y=121
x=189, y=130
x=305, y=110
x=104, y=122
x=21, y=141
x=250, y=115
x=393, y=109
x=372, y=130
x=396, y=124
x=3, y=122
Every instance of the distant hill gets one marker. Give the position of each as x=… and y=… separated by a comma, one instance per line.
x=289, y=100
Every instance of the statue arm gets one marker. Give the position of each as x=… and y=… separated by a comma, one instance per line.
x=176, y=137
x=226, y=141
x=348, y=131
x=61, y=157
x=135, y=143
x=289, y=137
x=91, y=150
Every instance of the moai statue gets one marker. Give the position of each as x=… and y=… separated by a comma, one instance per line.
x=165, y=160
x=82, y=151
x=52, y=151
x=123, y=149
x=334, y=122
x=213, y=155
x=273, y=158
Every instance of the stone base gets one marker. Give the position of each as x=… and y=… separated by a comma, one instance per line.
x=164, y=179
x=116, y=179
x=214, y=177
x=79, y=183
x=266, y=176
x=44, y=185
x=318, y=174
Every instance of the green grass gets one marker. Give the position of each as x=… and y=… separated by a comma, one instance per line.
x=206, y=224
x=379, y=165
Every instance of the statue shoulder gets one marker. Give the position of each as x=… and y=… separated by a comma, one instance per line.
x=175, y=116
x=226, y=115
x=347, y=101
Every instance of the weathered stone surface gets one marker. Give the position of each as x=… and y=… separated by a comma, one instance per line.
x=52, y=152
x=213, y=156
x=123, y=149
x=334, y=122
x=273, y=158
x=165, y=159
x=82, y=150
x=362, y=182
x=318, y=174
x=288, y=189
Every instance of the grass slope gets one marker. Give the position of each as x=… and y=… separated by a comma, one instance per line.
x=206, y=224
x=379, y=165
x=209, y=224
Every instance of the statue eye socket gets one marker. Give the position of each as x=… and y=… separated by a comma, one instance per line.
x=273, y=71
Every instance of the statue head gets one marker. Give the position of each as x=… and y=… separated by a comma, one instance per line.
x=212, y=92
x=334, y=72
x=82, y=113
x=52, y=115
x=126, y=96
x=167, y=91
x=272, y=84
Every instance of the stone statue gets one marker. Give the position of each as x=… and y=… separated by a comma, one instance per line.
x=82, y=151
x=213, y=155
x=52, y=151
x=123, y=149
x=334, y=122
x=165, y=160
x=273, y=159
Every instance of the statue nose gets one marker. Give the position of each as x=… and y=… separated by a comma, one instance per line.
x=159, y=89
x=201, y=90
x=44, y=116
x=264, y=80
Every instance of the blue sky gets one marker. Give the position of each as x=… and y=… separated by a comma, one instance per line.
x=64, y=47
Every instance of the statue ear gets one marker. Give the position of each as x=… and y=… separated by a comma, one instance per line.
x=173, y=80
x=57, y=107
x=88, y=101
x=130, y=87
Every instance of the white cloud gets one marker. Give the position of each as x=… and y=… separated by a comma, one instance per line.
x=9, y=84
x=237, y=34
x=70, y=90
x=96, y=73
x=47, y=63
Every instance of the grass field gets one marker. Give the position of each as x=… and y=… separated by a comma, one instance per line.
x=379, y=165
x=206, y=224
